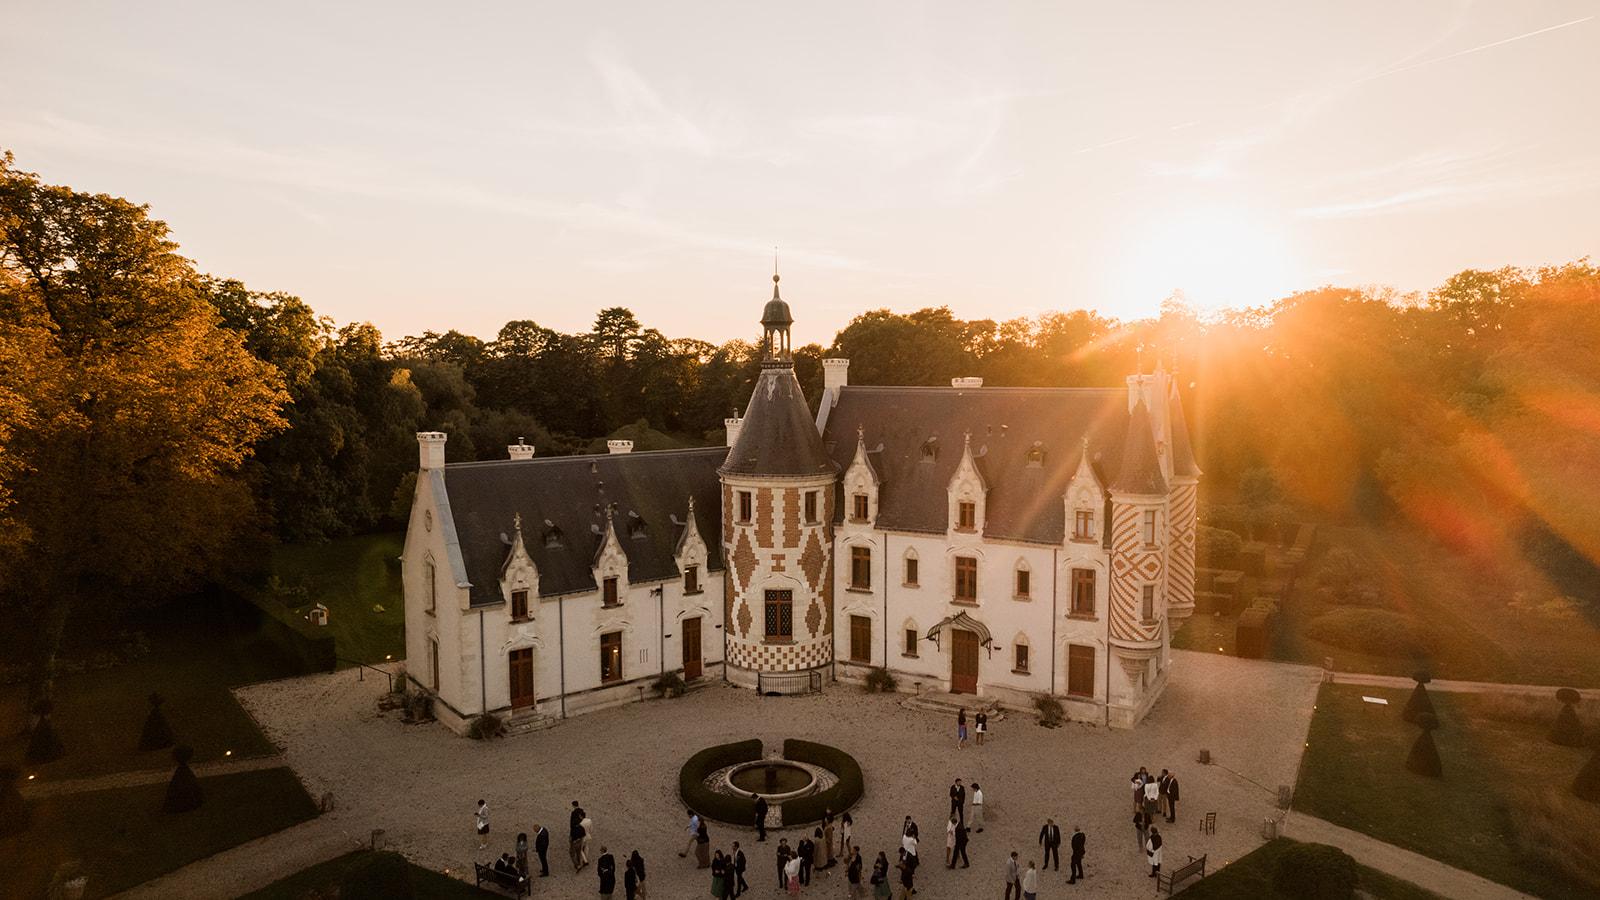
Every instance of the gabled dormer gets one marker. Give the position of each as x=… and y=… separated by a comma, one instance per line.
x=610, y=565
x=519, y=577
x=1085, y=501
x=861, y=485
x=967, y=492
x=690, y=554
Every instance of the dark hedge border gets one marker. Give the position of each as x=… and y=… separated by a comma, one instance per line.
x=709, y=803
x=837, y=799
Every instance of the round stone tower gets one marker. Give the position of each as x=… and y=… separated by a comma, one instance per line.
x=777, y=510
x=1138, y=572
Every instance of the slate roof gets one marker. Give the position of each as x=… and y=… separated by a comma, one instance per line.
x=1024, y=499
x=1140, y=471
x=571, y=493
x=778, y=435
x=1182, y=451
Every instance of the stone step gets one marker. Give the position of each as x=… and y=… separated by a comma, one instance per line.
x=525, y=723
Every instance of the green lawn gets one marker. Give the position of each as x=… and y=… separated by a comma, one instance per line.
x=1501, y=809
x=122, y=838
x=1206, y=633
x=320, y=880
x=358, y=579
x=1251, y=876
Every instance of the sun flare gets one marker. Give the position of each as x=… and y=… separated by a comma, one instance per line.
x=1215, y=257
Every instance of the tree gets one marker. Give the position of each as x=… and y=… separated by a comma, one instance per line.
x=1567, y=731
x=143, y=409
x=1316, y=872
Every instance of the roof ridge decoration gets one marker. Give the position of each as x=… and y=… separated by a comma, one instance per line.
x=861, y=457
x=1085, y=469
x=968, y=462
x=690, y=536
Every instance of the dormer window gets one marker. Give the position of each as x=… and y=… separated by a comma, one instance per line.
x=519, y=605
x=859, y=512
x=691, y=580
x=1036, y=455
x=608, y=592
x=1083, y=524
x=930, y=449
x=966, y=515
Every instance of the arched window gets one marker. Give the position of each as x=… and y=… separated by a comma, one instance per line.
x=911, y=637
x=911, y=573
x=1019, y=654
x=1023, y=581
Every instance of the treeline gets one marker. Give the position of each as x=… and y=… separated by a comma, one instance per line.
x=157, y=423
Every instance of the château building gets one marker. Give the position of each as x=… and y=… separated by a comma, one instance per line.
x=1003, y=542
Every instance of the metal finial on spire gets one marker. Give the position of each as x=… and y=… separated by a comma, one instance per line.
x=516, y=522
x=1138, y=359
x=861, y=433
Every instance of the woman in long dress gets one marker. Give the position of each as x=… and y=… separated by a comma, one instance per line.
x=702, y=847
x=583, y=843
x=880, y=877
x=819, y=850
x=845, y=822
x=827, y=836
x=791, y=872
x=719, y=875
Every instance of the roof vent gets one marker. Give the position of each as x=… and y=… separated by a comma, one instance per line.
x=619, y=447
x=520, y=450
x=552, y=536
x=1036, y=455
x=969, y=381
x=930, y=448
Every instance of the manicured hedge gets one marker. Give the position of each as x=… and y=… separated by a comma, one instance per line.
x=709, y=803
x=309, y=647
x=843, y=795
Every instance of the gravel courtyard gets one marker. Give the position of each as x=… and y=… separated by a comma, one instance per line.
x=421, y=783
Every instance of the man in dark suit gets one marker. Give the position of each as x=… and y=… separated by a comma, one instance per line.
x=606, y=868
x=739, y=884
x=541, y=846
x=960, y=851
x=1050, y=839
x=1078, y=840
x=807, y=849
x=784, y=855
x=575, y=835
x=958, y=800
x=1172, y=798
x=761, y=818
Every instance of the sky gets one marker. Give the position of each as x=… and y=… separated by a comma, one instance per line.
x=436, y=166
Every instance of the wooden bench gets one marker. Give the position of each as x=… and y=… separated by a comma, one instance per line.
x=1169, y=881
x=517, y=885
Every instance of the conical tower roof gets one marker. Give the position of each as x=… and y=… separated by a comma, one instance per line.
x=1141, y=466
x=778, y=436
x=1183, y=463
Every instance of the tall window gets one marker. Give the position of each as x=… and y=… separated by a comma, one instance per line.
x=519, y=604
x=1149, y=527
x=1082, y=592
x=911, y=642
x=967, y=579
x=859, y=510
x=966, y=515
x=861, y=568
x=1148, y=606
x=860, y=639
x=691, y=580
x=1083, y=524
x=780, y=615
x=608, y=591
x=433, y=585
x=1023, y=583
x=1080, y=671
x=811, y=507
x=911, y=570
x=433, y=661
x=745, y=503
x=611, y=656
x=1021, y=654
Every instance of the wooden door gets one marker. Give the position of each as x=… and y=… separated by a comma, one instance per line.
x=691, y=648
x=522, y=678
x=963, y=662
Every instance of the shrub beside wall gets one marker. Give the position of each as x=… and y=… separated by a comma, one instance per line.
x=837, y=799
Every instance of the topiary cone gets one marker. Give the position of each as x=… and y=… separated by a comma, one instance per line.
x=14, y=811
x=157, y=734
x=1587, y=784
x=43, y=744
x=1424, y=756
x=1567, y=731
x=183, y=791
x=1419, y=705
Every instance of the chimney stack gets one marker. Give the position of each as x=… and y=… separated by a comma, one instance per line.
x=619, y=446
x=835, y=376
x=430, y=447
x=521, y=449
x=732, y=426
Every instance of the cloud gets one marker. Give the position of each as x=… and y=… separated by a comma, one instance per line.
x=1458, y=194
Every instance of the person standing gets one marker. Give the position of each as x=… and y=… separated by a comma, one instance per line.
x=880, y=877
x=636, y=862
x=1050, y=839
x=852, y=872
x=702, y=846
x=1161, y=786
x=958, y=800
x=606, y=868
x=522, y=854
x=908, y=843
x=1153, y=848
x=1013, y=877
x=1140, y=825
x=1079, y=841
x=827, y=840
x=1030, y=883
x=806, y=849
x=908, y=875
x=541, y=846
x=1172, y=798
x=719, y=875
x=575, y=834
x=977, y=807
x=694, y=834
x=845, y=824
x=981, y=726
x=819, y=851
x=480, y=824
x=961, y=847
x=737, y=877
x=761, y=818
x=784, y=855
x=1152, y=798
x=587, y=826
x=791, y=871
x=950, y=842
x=961, y=728
x=630, y=879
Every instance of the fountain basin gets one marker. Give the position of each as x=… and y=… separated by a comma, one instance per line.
x=775, y=779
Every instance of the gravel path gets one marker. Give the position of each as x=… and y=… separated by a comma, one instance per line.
x=145, y=776
x=420, y=783
x=1401, y=863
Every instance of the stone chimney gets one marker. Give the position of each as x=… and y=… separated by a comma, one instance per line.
x=430, y=447
x=619, y=446
x=969, y=381
x=835, y=375
x=521, y=449
x=732, y=426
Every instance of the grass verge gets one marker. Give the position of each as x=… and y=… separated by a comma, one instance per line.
x=1251, y=876
x=323, y=879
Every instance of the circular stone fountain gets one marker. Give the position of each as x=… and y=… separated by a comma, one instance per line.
x=775, y=779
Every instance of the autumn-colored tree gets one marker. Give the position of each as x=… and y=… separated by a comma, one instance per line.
x=139, y=409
